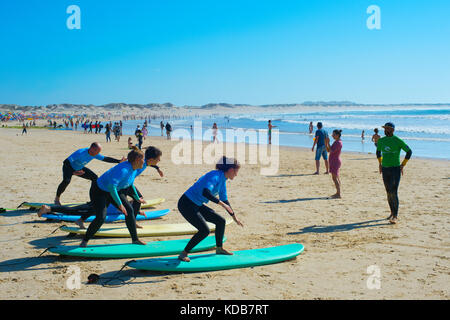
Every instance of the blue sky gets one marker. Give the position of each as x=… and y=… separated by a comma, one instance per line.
x=198, y=52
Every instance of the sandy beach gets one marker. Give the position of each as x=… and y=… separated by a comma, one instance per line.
x=342, y=237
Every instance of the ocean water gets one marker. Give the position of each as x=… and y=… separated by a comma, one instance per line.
x=425, y=130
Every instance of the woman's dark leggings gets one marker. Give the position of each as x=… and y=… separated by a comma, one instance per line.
x=82, y=209
x=100, y=201
x=197, y=216
x=67, y=176
x=135, y=204
x=391, y=179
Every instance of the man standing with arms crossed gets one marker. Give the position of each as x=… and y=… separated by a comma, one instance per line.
x=388, y=155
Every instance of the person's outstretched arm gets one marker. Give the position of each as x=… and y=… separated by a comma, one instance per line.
x=112, y=160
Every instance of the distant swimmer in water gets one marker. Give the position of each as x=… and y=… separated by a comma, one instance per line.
x=388, y=155
x=75, y=165
x=269, y=130
x=161, y=124
x=375, y=136
x=192, y=205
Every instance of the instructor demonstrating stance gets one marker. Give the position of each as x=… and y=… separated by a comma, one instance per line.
x=388, y=154
x=192, y=205
x=75, y=165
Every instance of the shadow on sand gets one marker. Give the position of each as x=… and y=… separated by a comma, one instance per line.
x=28, y=264
x=363, y=159
x=16, y=213
x=342, y=227
x=298, y=200
x=130, y=276
x=291, y=175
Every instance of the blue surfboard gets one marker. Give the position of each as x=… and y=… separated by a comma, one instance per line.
x=110, y=217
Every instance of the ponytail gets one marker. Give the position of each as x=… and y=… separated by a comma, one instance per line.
x=337, y=132
x=134, y=154
x=225, y=164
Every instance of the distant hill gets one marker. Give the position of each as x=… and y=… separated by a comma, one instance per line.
x=124, y=107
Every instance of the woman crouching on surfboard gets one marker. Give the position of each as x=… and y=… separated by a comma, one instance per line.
x=105, y=190
x=192, y=205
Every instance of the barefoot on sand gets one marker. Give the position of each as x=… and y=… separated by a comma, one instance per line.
x=83, y=244
x=43, y=210
x=393, y=220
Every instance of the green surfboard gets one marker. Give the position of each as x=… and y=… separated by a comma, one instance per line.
x=152, y=249
x=214, y=262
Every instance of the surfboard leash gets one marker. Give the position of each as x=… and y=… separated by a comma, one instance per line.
x=95, y=278
x=21, y=204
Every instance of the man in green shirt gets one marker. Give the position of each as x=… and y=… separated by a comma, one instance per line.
x=388, y=154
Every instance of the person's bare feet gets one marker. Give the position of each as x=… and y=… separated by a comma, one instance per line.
x=183, y=257
x=83, y=244
x=57, y=202
x=220, y=250
x=139, y=226
x=315, y=173
x=326, y=172
x=336, y=196
x=393, y=220
x=139, y=242
x=80, y=224
x=43, y=210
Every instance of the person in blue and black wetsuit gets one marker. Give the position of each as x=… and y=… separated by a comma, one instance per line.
x=75, y=165
x=105, y=190
x=192, y=205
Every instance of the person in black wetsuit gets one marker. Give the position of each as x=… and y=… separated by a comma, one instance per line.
x=192, y=205
x=388, y=155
